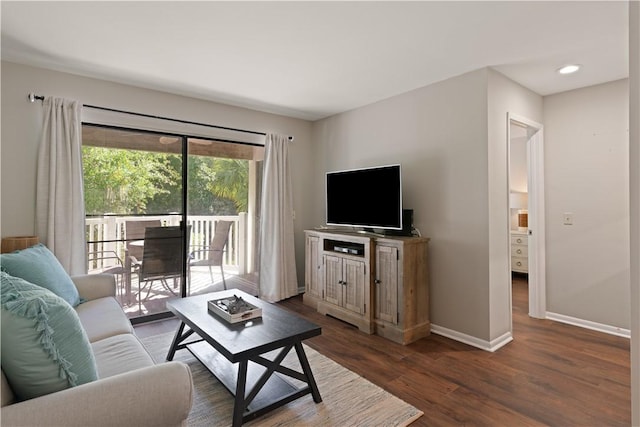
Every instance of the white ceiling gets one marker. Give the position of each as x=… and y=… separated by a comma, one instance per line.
x=314, y=59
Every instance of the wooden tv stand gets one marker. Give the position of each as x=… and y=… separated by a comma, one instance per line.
x=379, y=284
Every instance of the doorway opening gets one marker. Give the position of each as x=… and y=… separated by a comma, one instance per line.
x=526, y=214
x=519, y=217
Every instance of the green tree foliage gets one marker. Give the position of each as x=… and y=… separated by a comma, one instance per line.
x=123, y=181
x=135, y=182
x=169, y=200
x=230, y=181
x=202, y=199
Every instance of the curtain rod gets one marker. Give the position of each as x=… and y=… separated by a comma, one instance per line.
x=33, y=97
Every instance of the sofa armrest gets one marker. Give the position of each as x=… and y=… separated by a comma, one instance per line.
x=94, y=286
x=158, y=395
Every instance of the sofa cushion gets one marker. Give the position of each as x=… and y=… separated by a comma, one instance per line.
x=102, y=318
x=39, y=266
x=119, y=354
x=44, y=348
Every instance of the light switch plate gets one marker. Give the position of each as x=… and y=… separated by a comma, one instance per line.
x=568, y=218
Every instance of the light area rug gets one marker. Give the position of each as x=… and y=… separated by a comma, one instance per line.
x=347, y=398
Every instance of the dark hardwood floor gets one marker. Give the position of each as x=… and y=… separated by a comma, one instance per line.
x=551, y=374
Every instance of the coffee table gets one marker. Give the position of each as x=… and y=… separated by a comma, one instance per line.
x=226, y=349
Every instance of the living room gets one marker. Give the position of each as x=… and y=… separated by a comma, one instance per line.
x=450, y=137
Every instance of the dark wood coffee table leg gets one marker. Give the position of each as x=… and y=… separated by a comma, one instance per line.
x=306, y=368
x=179, y=337
x=239, y=404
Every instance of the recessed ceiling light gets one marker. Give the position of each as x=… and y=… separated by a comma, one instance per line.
x=568, y=69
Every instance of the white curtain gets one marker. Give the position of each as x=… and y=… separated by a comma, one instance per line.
x=59, y=193
x=278, y=279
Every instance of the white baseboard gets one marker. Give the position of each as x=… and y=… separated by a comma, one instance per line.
x=607, y=329
x=491, y=346
x=507, y=337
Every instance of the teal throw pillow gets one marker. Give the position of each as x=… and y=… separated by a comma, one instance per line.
x=44, y=347
x=40, y=266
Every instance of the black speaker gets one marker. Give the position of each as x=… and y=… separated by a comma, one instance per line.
x=407, y=224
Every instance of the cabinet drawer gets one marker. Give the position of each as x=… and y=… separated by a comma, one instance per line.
x=519, y=251
x=520, y=264
x=519, y=239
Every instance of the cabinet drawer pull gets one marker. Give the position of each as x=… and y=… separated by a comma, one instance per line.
x=519, y=251
x=377, y=281
x=519, y=264
x=519, y=240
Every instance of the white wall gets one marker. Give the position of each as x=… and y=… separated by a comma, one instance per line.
x=21, y=124
x=518, y=160
x=451, y=140
x=587, y=173
x=438, y=133
x=589, y=281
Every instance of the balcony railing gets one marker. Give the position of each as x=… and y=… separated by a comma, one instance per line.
x=108, y=233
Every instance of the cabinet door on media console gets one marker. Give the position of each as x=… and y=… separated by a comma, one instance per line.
x=313, y=270
x=344, y=283
x=401, y=305
x=386, y=284
x=353, y=284
x=333, y=279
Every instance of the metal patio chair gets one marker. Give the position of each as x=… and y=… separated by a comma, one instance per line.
x=214, y=253
x=161, y=260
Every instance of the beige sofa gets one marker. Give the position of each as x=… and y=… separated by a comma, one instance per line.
x=131, y=390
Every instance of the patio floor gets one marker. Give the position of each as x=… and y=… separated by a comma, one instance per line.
x=201, y=283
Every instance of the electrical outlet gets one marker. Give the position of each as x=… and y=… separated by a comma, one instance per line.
x=567, y=218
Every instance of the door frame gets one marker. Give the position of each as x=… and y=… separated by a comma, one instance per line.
x=536, y=209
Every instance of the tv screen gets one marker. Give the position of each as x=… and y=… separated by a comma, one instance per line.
x=366, y=197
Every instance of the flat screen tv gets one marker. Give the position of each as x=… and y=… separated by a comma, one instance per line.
x=365, y=197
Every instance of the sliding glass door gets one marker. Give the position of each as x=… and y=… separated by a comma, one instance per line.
x=154, y=202
x=133, y=183
x=221, y=194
